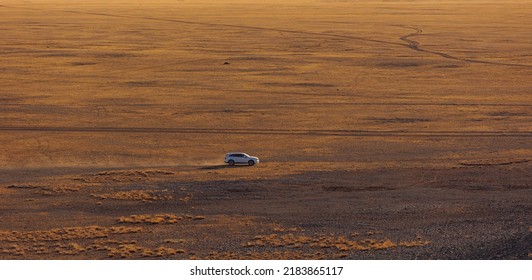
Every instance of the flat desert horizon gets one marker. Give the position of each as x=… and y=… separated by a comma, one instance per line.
x=385, y=129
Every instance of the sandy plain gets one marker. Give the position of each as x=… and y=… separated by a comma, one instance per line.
x=385, y=129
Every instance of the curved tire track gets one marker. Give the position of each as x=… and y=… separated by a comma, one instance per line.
x=414, y=45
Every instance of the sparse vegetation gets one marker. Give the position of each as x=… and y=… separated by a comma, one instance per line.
x=65, y=233
x=141, y=195
x=110, y=248
x=276, y=255
x=158, y=218
x=123, y=176
x=340, y=243
x=47, y=189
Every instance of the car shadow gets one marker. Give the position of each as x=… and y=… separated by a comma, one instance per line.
x=223, y=166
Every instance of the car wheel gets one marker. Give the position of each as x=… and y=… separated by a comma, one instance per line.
x=250, y=163
x=231, y=162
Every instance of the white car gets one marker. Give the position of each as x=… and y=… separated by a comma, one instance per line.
x=240, y=158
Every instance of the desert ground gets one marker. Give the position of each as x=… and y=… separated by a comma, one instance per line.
x=385, y=129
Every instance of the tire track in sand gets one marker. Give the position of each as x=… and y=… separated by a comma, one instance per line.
x=415, y=45
x=411, y=44
x=299, y=132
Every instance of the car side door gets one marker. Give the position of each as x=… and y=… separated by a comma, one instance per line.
x=240, y=158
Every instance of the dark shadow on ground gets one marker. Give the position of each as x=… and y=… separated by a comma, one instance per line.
x=222, y=166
